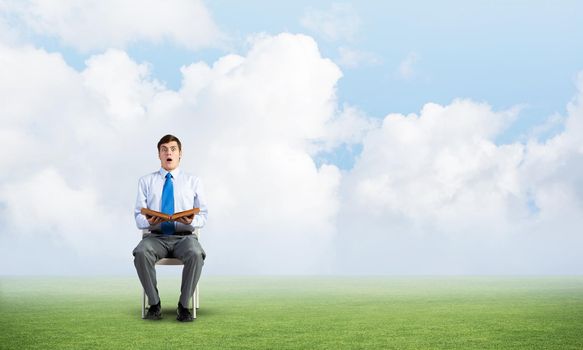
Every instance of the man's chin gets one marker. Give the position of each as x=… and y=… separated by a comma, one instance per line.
x=169, y=166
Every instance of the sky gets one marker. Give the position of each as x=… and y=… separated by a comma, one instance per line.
x=333, y=138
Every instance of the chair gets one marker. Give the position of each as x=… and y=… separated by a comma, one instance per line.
x=172, y=261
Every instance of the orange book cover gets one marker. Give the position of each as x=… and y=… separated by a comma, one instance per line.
x=168, y=217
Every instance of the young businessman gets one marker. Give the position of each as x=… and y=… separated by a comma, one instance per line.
x=169, y=190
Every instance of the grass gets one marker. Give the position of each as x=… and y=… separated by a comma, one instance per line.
x=298, y=312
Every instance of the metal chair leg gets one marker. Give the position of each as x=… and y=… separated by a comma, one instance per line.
x=195, y=304
x=197, y=294
x=194, y=301
x=143, y=303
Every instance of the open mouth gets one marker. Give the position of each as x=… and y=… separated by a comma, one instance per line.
x=168, y=159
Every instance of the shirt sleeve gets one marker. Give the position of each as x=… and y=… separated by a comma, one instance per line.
x=141, y=221
x=200, y=202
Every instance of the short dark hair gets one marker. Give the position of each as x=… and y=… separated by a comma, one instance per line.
x=169, y=138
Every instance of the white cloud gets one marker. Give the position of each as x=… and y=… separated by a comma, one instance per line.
x=45, y=204
x=42, y=100
x=339, y=23
x=430, y=193
x=124, y=86
x=101, y=24
x=407, y=69
x=349, y=126
x=433, y=193
x=553, y=170
x=259, y=114
x=247, y=124
x=439, y=167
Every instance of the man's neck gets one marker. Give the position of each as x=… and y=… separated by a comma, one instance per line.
x=174, y=171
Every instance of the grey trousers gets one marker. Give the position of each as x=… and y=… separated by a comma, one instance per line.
x=154, y=247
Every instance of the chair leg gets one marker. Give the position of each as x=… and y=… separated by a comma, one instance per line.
x=143, y=303
x=194, y=301
x=197, y=295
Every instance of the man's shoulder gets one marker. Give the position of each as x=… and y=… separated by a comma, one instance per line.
x=148, y=177
x=188, y=176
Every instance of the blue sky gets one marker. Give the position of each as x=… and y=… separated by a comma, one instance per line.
x=443, y=133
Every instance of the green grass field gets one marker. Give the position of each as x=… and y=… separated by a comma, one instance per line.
x=298, y=312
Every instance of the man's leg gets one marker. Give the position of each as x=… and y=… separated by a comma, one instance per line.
x=149, y=250
x=189, y=250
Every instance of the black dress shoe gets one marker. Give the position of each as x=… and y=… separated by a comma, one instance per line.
x=183, y=314
x=154, y=312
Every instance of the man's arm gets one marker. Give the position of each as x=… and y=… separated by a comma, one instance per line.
x=199, y=219
x=141, y=202
x=196, y=190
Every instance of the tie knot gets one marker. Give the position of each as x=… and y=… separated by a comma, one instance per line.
x=168, y=175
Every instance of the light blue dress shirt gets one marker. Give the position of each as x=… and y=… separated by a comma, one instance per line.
x=188, y=194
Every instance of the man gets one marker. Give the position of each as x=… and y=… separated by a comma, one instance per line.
x=169, y=190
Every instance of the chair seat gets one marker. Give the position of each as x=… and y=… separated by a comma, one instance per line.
x=169, y=261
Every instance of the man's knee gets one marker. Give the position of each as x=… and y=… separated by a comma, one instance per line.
x=195, y=253
x=143, y=251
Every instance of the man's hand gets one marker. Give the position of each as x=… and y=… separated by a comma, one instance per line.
x=187, y=220
x=153, y=220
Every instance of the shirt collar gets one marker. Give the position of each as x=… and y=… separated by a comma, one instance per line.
x=174, y=172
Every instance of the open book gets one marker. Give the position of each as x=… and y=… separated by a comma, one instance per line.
x=168, y=217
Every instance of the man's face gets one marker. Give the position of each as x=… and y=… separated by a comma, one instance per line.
x=169, y=155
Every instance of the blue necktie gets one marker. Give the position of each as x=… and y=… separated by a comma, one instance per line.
x=168, y=204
